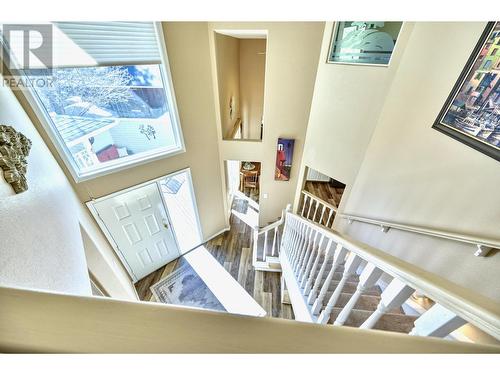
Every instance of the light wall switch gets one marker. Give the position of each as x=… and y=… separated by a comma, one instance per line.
x=265, y=195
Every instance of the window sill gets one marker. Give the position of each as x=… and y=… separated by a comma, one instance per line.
x=120, y=167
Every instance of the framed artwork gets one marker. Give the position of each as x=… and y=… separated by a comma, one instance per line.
x=364, y=42
x=471, y=114
x=284, y=156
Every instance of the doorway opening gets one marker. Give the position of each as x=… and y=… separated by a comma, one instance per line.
x=150, y=224
x=243, y=189
x=241, y=61
x=328, y=193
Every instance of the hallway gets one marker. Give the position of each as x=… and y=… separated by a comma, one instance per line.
x=232, y=250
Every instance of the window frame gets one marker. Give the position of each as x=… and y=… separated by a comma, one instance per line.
x=114, y=166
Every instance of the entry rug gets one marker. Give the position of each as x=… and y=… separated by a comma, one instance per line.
x=185, y=287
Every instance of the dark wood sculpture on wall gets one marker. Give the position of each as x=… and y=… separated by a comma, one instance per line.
x=14, y=150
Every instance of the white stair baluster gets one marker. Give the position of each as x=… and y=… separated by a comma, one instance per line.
x=309, y=290
x=322, y=213
x=296, y=238
x=308, y=259
x=273, y=249
x=315, y=211
x=306, y=198
x=338, y=257
x=393, y=296
x=367, y=279
x=307, y=235
x=299, y=242
x=313, y=263
x=351, y=265
x=264, y=251
x=438, y=321
x=329, y=217
x=311, y=201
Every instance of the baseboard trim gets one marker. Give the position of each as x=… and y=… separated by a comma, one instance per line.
x=216, y=234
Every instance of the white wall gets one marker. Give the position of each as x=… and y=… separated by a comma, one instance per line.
x=345, y=109
x=414, y=175
x=291, y=62
x=40, y=242
x=46, y=250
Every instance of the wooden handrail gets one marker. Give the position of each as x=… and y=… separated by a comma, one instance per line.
x=484, y=245
x=471, y=306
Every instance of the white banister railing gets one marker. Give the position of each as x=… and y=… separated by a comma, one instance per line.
x=266, y=245
x=483, y=245
x=316, y=209
x=309, y=252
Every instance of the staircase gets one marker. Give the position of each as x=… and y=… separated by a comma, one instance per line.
x=366, y=303
x=331, y=279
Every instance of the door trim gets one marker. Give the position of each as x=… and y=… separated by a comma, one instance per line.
x=91, y=206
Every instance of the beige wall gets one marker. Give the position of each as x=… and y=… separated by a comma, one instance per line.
x=345, y=109
x=252, y=75
x=291, y=62
x=228, y=72
x=102, y=325
x=414, y=175
x=40, y=242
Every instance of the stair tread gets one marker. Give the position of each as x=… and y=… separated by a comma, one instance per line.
x=365, y=302
x=387, y=322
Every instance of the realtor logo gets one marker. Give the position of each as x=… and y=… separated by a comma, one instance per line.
x=29, y=46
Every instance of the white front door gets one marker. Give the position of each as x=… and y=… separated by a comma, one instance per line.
x=138, y=223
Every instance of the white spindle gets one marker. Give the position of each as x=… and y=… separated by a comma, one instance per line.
x=308, y=261
x=311, y=201
x=299, y=245
x=438, y=321
x=312, y=288
x=309, y=282
x=295, y=241
x=273, y=249
x=316, y=210
x=393, y=296
x=305, y=250
x=304, y=204
x=338, y=257
x=367, y=279
x=264, y=251
x=322, y=213
x=351, y=265
x=329, y=217
x=255, y=243
x=313, y=261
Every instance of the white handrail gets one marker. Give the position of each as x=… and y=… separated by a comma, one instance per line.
x=481, y=311
x=263, y=264
x=484, y=245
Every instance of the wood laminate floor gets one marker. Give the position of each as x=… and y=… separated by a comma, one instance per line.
x=233, y=250
x=325, y=191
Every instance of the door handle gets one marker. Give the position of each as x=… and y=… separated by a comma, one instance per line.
x=165, y=223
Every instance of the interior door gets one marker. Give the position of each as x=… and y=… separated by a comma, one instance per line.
x=139, y=224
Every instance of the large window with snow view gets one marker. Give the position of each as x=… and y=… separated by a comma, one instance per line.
x=112, y=114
